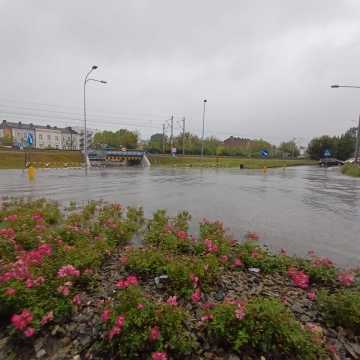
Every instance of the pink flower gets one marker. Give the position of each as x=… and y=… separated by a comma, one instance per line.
x=114, y=331
x=11, y=218
x=125, y=283
x=68, y=270
x=299, y=278
x=10, y=292
x=64, y=290
x=37, y=217
x=140, y=306
x=346, y=278
x=120, y=321
x=21, y=321
x=224, y=258
x=154, y=333
x=240, y=311
x=208, y=305
x=47, y=317
x=311, y=295
x=172, y=301
x=132, y=280
x=76, y=299
x=182, y=235
x=207, y=317
x=238, y=263
x=196, y=296
x=211, y=246
x=8, y=233
x=159, y=356
x=105, y=316
x=29, y=332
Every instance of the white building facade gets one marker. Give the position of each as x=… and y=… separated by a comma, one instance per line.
x=70, y=139
x=48, y=137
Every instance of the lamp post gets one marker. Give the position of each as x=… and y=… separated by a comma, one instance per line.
x=203, y=129
x=87, y=79
x=336, y=86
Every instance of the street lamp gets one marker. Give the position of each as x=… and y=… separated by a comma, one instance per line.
x=87, y=79
x=203, y=128
x=336, y=86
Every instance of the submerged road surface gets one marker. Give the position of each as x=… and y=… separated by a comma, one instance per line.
x=300, y=208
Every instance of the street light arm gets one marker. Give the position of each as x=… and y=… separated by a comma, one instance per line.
x=100, y=81
x=344, y=86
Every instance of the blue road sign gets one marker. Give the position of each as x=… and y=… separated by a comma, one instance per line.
x=30, y=139
x=264, y=153
x=327, y=153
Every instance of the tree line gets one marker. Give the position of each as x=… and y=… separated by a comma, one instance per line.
x=341, y=147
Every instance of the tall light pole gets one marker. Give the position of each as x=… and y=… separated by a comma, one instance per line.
x=336, y=86
x=203, y=129
x=87, y=79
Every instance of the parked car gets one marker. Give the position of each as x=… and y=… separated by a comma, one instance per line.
x=350, y=161
x=326, y=162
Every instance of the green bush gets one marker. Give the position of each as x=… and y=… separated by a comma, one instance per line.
x=134, y=338
x=267, y=327
x=341, y=308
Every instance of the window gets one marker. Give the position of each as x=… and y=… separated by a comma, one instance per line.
x=40, y=136
x=48, y=137
x=56, y=138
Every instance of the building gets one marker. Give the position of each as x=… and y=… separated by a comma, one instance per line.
x=19, y=134
x=237, y=142
x=70, y=139
x=90, y=136
x=48, y=137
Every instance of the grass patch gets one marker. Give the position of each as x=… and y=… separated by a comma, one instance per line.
x=224, y=162
x=351, y=170
x=15, y=159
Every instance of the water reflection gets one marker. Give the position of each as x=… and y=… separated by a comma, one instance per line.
x=296, y=208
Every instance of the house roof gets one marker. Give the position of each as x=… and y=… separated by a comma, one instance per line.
x=19, y=125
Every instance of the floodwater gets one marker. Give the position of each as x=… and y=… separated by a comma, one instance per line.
x=300, y=208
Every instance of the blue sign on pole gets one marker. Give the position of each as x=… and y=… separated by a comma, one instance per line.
x=264, y=153
x=30, y=139
x=327, y=153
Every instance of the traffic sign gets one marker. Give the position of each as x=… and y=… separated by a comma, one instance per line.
x=327, y=153
x=30, y=139
x=264, y=153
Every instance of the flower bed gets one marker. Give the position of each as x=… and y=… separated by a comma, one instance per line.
x=71, y=284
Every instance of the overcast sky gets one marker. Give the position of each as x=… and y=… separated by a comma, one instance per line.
x=265, y=66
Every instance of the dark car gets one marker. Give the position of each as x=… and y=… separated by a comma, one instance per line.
x=326, y=162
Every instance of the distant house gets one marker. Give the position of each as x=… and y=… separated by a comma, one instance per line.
x=48, y=137
x=21, y=135
x=70, y=139
x=237, y=142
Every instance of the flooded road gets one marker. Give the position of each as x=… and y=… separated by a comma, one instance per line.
x=298, y=208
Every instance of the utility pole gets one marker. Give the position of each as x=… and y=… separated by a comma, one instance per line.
x=203, y=129
x=172, y=132
x=163, y=139
x=183, y=136
x=357, y=144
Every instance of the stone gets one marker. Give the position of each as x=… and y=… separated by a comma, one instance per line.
x=220, y=295
x=41, y=353
x=85, y=340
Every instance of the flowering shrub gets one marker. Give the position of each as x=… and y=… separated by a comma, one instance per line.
x=44, y=268
x=157, y=328
x=341, y=308
x=264, y=325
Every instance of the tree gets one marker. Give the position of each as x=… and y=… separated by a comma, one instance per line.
x=290, y=149
x=317, y=146
x=117, y=139
x=6, y=140
x=155, y=144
